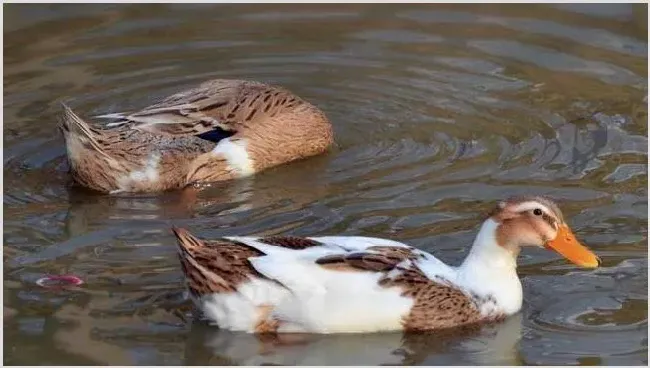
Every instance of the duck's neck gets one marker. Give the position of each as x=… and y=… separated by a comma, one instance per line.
x=486, y=253
x=490, y=270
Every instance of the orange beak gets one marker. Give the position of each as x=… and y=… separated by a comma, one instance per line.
x=567, y=245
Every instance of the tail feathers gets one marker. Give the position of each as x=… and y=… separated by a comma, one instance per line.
x=74, y=127
x=201, y=278
x=74, y=124
x=186, y=241
x=188, y=244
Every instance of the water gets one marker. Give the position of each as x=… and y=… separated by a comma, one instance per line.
x=439, y=110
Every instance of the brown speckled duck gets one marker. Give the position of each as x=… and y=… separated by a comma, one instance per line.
x=337, y=284
x=223, y=129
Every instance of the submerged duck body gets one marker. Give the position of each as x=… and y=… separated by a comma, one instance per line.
x=221, y=130
x=342, y=284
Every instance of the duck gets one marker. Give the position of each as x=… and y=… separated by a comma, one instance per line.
x=354, y=284
x=219, y=130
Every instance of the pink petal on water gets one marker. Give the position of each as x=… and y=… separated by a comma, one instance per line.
x=58, y=281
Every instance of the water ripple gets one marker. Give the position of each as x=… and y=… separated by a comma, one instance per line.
x=439, y=111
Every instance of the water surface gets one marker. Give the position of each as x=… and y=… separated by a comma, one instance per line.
x=439, y=111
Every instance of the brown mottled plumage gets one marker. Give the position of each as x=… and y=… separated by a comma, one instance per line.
x=218, y=266
x=169, y=145
x=221, y=266
x=293, y=242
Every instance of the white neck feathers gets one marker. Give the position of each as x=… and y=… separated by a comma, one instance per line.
x=486, y=251
x=490, y=270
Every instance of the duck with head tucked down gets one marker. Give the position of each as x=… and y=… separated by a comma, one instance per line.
x=221, y=130
x=341, y=284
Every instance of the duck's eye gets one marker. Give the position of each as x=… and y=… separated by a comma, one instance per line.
x=537, y=212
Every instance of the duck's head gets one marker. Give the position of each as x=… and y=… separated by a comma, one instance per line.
x=538, y=221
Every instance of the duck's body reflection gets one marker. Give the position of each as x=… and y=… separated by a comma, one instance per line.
x=488, y=345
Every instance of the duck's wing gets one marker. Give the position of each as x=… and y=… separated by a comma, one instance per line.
x=431, y=266
x=222, y=105
x=355, y=284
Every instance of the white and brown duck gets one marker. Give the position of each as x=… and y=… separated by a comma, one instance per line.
x=337, y=284
x=220, y=130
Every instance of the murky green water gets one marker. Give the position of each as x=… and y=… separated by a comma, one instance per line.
x=439, y=110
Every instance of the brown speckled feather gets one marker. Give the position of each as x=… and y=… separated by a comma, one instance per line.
x=214, y=266
x=276, y=126
x=225, y=104
x=291, y=242
x=374, y=258
x=220, y=266
x=99, y=158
